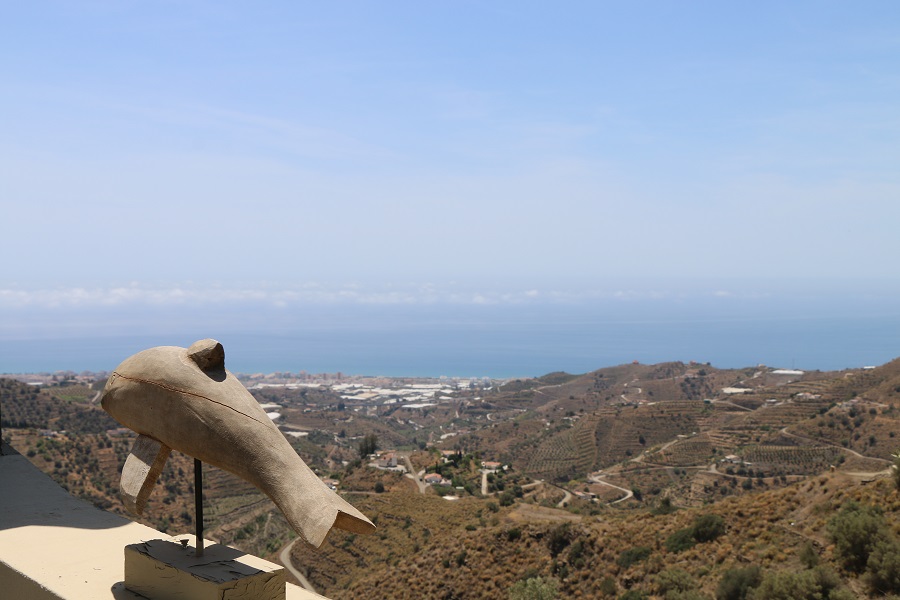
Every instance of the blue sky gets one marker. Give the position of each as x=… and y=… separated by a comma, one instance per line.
x=156, y=154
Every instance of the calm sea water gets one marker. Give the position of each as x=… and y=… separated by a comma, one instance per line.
x=495, y=342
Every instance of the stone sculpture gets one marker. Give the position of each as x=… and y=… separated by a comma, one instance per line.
x=185, y=399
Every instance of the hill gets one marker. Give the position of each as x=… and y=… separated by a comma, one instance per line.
x=599, y=473
x=429, y=548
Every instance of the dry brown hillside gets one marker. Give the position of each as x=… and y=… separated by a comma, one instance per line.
x=606, y=478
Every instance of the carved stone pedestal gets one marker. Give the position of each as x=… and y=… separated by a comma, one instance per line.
x=165, y=570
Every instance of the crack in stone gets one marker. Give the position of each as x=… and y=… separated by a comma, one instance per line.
x=180, y=391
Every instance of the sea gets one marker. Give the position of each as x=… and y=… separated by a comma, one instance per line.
x=492, y=341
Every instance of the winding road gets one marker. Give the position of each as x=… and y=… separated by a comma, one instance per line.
x=566, y=499
x=285, y=558
x=417, y=477
x=829, y=443
x=628, y=493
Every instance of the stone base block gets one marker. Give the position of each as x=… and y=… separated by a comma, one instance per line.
x=165, y=570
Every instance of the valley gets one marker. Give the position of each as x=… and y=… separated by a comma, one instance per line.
x=478, y=484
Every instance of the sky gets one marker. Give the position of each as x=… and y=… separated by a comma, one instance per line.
x=200, y=154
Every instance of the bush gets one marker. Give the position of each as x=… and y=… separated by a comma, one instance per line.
x=883, y=567
x=681, y=540
x=855, y=531
x=608, y=586
x=379, y=488
x=633, y=595
x=576, y=554
x=665, y=507
x=461, y=558
x=534, y=588
x=558, y=539
x=633, y=555
x=673, y=581
x=708, y=527
x=809, y=558
x=813, y=584
x=736, y=584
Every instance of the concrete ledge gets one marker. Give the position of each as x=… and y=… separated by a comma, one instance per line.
x=55, y=546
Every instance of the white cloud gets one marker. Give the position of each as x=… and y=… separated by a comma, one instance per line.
x=308, y=294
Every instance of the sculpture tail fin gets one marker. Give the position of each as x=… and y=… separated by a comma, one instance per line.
x=312, y=509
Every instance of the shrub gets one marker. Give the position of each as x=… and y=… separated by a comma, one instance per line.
x=736, y=584
x=681, y=540
x=855, y=531
x=809, y=558
x=633, y=555
x=558, y=539
x=883, y=567
x=379, y=487
x=665, y=507
x=576, y=553
x=708, y=527
x=673, y=581
x=813, y=584
x=534, y=588
x=608, y=586
x=633, y=595
x=461, y=558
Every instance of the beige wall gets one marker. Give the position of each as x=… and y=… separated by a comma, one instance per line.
x=53, y=545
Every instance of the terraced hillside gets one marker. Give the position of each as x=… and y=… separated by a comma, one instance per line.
x=632, y=451
x=573, y=451
x=781, y=426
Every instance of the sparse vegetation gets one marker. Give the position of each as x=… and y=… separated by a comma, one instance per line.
x=534, y=588
x=855, y=531
x=738, y=583
x=813, y=584
x=776, y=515
x=633, y=555
x=883, y=567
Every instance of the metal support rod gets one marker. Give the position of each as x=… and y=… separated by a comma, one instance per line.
x=198, y=505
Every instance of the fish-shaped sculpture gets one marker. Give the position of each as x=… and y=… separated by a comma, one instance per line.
x=184, y=399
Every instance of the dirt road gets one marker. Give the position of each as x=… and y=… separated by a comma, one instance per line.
x=285, y=558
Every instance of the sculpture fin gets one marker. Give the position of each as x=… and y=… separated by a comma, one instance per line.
x=142, y=468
